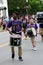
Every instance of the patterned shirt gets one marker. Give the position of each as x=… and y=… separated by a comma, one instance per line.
x=16, y=26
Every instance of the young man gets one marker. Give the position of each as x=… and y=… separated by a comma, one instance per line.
x=24, y=20
x=16, y=27
x=32, y=24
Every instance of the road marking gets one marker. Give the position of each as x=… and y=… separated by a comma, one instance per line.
x=3, y=45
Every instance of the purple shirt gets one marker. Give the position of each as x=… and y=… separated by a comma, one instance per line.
x=32, y=25
x=16, y=25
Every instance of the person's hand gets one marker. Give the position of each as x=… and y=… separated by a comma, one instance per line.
x=22, y=29
x=37, y=31
x=10, y=32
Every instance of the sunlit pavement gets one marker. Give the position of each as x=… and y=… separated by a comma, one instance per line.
x=30, y=57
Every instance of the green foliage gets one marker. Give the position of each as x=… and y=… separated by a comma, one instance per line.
x=18, y=5
x=36, y=5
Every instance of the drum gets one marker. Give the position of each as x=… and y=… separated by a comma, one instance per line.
x=15, y=40
x=31, y=32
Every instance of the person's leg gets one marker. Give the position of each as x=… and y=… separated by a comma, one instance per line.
x=33, y=43
x=25, y=33
x=41, y=33
x=12, y=48
x=13, y=53
x=42, y=37
x=4, y=27
x=20, y=53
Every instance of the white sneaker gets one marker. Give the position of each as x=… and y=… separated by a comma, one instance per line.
x=34, y=49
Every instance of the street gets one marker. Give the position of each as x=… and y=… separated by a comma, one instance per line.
x=30, y=57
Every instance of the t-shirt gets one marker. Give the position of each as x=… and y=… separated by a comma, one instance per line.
x=32, y=25
x=16, y=26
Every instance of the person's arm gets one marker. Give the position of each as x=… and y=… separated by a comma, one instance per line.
x=22, y=26
x=8, y=26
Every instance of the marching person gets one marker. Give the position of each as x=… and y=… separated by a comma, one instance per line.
x=32, y=24
x=16, y=27
x=2, y=23
x=24, y=20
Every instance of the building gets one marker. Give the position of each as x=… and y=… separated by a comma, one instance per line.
x=3, y=8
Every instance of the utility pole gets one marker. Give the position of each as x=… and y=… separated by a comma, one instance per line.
x=27, y=7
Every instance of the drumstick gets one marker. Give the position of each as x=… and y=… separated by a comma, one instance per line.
x=39, y=32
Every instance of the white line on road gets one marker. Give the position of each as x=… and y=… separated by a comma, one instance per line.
x=3, y=45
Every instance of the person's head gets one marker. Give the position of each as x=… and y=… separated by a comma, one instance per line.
x=23, y=17
x=15, y=15
x=31, y=20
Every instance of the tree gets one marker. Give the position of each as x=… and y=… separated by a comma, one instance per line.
x=35, y=6
x=18, y=5
x=14, y=4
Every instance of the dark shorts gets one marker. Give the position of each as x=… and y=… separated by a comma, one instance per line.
x=25, y=25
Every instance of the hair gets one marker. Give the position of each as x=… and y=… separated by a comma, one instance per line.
x=32, y=18
x=15, y=13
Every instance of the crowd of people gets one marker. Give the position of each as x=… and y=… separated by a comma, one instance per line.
x=3, y=22
x=22, y=24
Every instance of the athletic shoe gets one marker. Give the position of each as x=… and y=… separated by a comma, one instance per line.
x=34, y=48
x=20, y=59
x=13, y=56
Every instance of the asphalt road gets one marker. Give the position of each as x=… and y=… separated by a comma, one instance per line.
x=30, y=57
